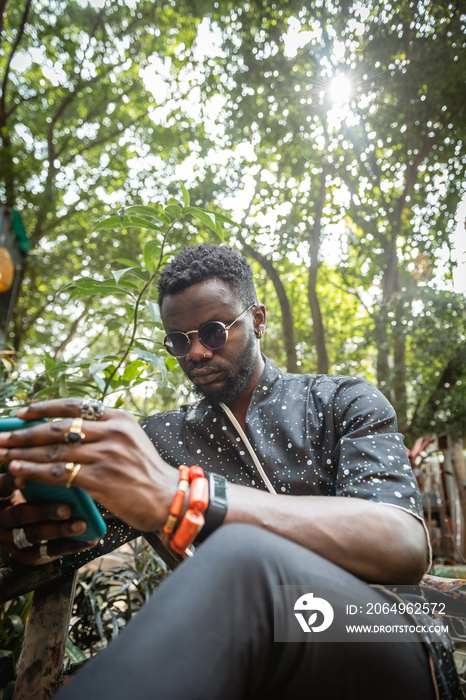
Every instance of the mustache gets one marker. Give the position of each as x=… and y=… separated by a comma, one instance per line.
x=213, y=366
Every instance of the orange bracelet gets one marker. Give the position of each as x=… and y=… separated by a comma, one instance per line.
x=178, y=499
x=193, y=520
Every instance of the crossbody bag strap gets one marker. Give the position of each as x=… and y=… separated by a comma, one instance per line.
x=249, y=448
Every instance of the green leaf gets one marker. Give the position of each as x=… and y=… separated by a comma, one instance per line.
x=149, y=212
x=130, y=311
x=49, y=362
x=140, y=273
x=154, y=360
x=100, y=382
x=174, y=202
x=151, y=254
x=133, y=370
x=74, y=654
x=221, y=217
x=171, y=362
x=88, y=283
x=63, y=389
x=173, y=211
x=139, y=222
x=99, y=367
x=206, y=218
x=119, y=402
x=185, y=195
x=117, y=274
x=127, y=262
x=219, y=230
x=154, y=311
x=110, y=222
x=17, y=623
x=88, y=287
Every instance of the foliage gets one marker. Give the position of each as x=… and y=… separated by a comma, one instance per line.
x=78, y=133
x=13, y=617
x=347, y=198
x=125, y=308
x=107, y=598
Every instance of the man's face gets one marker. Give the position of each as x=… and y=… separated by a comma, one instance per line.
x=223, y=374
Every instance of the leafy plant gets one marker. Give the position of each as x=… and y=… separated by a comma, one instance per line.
x=13, y=617
x=124, y=305
x=106, y=599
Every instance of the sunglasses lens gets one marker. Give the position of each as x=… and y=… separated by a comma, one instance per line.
x=177, y=344
x=213, y=335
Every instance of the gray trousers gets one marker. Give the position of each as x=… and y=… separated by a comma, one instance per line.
x=208, y=634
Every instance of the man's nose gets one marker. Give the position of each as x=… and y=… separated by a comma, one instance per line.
x=197, y=351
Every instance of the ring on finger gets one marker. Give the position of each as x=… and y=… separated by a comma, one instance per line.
x=43, y=553
x=74, y=469
x=91, y=409
x=19, y=538
x=75, y=435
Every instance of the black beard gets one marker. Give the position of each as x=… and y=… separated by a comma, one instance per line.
x=235, y=381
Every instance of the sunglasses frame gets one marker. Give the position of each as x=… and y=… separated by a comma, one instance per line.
x=188, y=333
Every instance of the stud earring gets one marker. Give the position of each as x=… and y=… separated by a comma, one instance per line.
x=259, y=334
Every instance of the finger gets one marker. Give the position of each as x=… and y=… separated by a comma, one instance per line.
x=46, y=454
x=58, y=408
x=52, y=433
x=54, y=531
x=54, y=550
x=7, y=485
x=55, y=473
x=26, y=513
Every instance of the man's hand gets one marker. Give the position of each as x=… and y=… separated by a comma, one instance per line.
x=120, y=468
x=43, y=523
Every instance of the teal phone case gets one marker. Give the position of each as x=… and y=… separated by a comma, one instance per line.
x=82, y=505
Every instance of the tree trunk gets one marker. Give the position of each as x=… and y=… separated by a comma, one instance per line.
x=314, y=250
x=399, y=369
x=285, y=307
x=423, y=417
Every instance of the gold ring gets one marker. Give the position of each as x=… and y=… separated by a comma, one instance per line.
x=74, y=469
x=75, y=435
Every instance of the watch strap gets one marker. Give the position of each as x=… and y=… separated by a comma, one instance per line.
x=217, y=508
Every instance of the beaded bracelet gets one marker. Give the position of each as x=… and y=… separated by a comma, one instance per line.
x=193, y=519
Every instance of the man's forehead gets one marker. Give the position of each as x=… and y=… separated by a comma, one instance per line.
x=203, y=299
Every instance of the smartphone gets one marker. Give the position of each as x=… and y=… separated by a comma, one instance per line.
x=82, y=505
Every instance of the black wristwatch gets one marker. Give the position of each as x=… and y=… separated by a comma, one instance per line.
x=217, y=508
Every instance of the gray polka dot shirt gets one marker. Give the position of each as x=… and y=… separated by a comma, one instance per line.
x=313, y=434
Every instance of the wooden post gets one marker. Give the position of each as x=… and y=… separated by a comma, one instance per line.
x=41, y=658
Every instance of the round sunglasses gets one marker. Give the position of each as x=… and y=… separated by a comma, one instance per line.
x=213, y=335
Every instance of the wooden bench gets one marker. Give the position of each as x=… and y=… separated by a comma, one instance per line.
x=40, y=667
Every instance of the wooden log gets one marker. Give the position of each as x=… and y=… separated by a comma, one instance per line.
x=40, y=662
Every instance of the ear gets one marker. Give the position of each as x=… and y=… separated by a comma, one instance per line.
x=260, y=317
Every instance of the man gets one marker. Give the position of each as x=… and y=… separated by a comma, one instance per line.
x=344, y=510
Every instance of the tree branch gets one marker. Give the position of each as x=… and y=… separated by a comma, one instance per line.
x=73, y=330
x=16, y=43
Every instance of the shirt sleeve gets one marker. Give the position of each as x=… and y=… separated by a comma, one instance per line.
x=370, y=453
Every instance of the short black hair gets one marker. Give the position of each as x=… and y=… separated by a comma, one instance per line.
x=198, y=263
